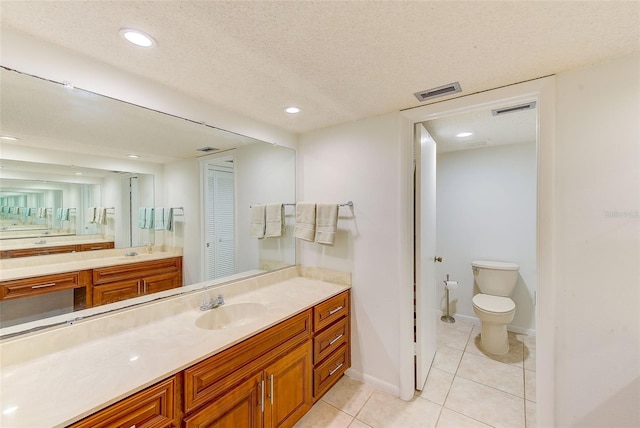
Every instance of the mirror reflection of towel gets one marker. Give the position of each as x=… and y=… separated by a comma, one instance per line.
x=142, y=217
x=257, y=226
x=91, y=215
x=101, y=215
x=274, y=221
x=305, y=227
x=326, y=223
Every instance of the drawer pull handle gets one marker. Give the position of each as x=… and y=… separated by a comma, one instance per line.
x=333, y=311
x=335, y=339
x=51, y=284
x=262, y=395
x=331, y=372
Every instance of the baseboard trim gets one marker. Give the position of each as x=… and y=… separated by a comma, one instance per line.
x=374, y=381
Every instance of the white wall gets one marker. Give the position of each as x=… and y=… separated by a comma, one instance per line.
x=361, y=161
x=486, y=210
x=263, y=174
x=597, y=247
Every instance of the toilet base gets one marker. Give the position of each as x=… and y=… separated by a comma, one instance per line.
x=494, y=338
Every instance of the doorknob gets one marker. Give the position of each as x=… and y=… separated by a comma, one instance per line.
x=437, y=259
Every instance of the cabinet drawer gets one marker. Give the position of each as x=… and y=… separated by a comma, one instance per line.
x=328, y=373
x=330, y=310
x=214, y=376
x=97, y=246
x=135, y=270
x=40, y=251
x=329, y=340
x=39, y=285
x=155, y=407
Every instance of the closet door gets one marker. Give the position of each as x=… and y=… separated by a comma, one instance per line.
x=220, y=245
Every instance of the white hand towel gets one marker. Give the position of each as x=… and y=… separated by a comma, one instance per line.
x=148, y=222
x=326, y=223
x=91, y=215
x=158, y=220
x=274, y=223
x=257, y=227
x=101, y=215
x=305, y=227
x=169, y=219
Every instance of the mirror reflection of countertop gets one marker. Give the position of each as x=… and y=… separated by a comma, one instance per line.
x=40, y=240
x=111, y=357
x=26, y=267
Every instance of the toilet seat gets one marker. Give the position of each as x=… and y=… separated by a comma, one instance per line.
x=493, y=304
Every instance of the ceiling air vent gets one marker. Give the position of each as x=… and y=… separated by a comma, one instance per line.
x=513, y=109
x=207, y=149
x=440, y=91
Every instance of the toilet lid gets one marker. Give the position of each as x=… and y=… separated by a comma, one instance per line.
x=489, y=303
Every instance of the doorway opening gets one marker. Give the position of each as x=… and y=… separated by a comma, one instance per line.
x=475, y=199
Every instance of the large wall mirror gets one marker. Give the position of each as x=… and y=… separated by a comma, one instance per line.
x=44, y=198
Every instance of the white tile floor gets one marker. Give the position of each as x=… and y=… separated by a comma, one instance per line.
x=465, y=388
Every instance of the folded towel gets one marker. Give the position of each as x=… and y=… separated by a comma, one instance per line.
x=257, y=226
x=66, y=214
x=158, y=218
x=305, y=227
x=274, y=221
x=169, y=219
x=326, y=223
x=58, y=213
x=148, y=221
x=101, y=215
x=91, y=215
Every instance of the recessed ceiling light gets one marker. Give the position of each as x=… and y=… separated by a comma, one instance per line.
x=137, y=37
x=132, y=156
x=292, y=109
x=464, y=134
x=7, y=137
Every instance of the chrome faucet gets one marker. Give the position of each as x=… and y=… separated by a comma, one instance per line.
x=212, y=303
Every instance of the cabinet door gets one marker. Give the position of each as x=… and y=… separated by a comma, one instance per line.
x=155, y=283
x=154, y=407
x=116, y=291
x=288, y=383
x=239, y=407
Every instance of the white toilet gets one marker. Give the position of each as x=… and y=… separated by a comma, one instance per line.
x=496, y=281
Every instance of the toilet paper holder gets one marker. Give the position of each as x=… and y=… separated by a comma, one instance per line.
x=448, y=285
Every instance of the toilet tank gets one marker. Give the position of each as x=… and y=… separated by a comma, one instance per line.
x=495, y=278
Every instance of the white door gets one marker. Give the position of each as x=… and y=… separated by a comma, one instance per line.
x=219, y=225
x=425, y=252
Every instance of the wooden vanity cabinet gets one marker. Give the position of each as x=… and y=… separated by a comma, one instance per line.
x=115, y=283
x=331, y=342
x=269, y=373
x=155, y=407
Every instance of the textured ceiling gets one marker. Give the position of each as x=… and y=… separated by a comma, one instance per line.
x=338, y=61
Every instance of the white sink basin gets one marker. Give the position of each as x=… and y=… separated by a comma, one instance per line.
x=230, y=316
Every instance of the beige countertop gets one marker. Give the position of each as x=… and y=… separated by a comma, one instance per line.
x=26, y=267
x=111, y=357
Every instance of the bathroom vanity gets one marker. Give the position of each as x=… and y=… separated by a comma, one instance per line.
x=279, y=342
x=96, y=279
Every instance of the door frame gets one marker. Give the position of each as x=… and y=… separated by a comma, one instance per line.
x=543, y=91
